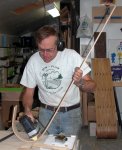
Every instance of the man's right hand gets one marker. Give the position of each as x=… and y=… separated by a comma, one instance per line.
x=30, y=115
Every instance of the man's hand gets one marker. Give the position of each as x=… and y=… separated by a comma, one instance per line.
x=30, y=115
x=77, y=76
x=85, y=83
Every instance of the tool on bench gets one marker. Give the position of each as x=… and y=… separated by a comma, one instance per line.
x=30, y=127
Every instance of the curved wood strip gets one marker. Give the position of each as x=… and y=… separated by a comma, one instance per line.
x=15, y=129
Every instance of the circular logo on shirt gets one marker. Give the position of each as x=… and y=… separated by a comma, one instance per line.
x=51, y=79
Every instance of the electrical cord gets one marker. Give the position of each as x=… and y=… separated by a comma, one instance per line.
x=6, y=137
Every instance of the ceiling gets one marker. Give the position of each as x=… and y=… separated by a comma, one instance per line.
x=18, y=17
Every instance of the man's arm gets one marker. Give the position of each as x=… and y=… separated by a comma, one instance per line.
x=85, y=83
x=27, y=100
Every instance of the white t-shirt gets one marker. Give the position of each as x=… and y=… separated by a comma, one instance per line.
x=53, y=78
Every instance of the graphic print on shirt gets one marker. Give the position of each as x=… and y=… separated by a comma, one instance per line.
x=51, y=78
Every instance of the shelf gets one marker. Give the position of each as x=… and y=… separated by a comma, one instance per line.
x=117, y=83
x=11, y=77
x=7, y=47
x=4, y=58
x=19, y=56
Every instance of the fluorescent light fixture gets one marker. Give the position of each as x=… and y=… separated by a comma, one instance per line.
x=52, y=10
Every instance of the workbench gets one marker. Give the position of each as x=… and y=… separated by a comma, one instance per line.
x=13, y=143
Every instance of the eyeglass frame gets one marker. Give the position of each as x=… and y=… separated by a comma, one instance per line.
x=49, y=50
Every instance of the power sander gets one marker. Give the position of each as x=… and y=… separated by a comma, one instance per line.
x=30, y=127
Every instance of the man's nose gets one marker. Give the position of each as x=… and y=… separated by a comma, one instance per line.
x=45, y=52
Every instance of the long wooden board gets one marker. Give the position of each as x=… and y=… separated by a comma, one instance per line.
x=106, y=117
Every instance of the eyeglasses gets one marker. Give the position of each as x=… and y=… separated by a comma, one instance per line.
x=48, y=50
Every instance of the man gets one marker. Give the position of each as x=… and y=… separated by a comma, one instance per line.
x=52, y=71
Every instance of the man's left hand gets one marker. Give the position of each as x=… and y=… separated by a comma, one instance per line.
x=77, y=76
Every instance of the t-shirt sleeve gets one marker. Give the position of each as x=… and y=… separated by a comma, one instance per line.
x=79, y=62
x=28, y=78
x=85, y=68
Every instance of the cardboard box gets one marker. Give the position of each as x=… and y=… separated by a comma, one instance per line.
x=92, y=128
x=10, y=96
x=6, y=113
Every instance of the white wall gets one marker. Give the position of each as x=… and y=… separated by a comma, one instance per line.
x=112, y=30
x=85, y=8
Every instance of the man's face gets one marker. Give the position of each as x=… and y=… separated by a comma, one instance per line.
x=48, y=48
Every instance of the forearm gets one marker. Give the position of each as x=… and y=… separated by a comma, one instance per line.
x=27, y=100
x=87, y=85
x=27, y=103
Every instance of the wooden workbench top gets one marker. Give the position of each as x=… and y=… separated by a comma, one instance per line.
x=13, y=143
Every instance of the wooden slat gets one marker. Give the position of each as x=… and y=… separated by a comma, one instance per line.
x=106, y=118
